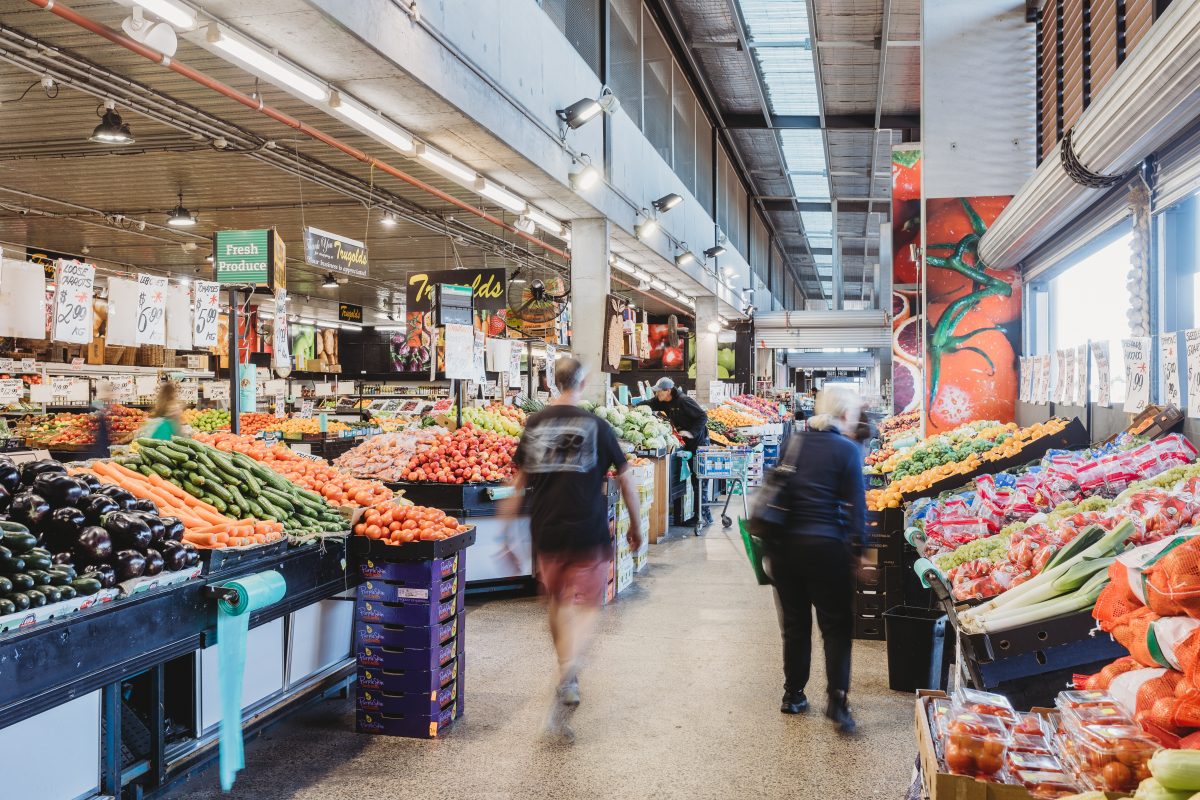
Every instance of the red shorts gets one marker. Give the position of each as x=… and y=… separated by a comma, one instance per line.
x=579, y=578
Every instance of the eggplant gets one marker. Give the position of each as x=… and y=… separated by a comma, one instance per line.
x=90, y=481
x=10, y=476
x=154, y=561
x=145, y=506
x=62, y=528
x=128, y=530
x=193, y=557
x=158, y=531
x=123, y=498
x=59, y=490
x=104, y=573
x=94, y=546
x=174, y=556
x=96, y=506
x=129, y=564
x=29, y=509
x=64, y=557
x=31, y=469
x=174, y=529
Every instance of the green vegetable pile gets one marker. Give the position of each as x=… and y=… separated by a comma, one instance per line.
x=638, y=426
x=235, y=484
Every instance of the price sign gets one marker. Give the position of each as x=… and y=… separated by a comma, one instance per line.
x=122, y=388
x=1081, y=375
x=281, y=355
x=1103, y=375
x=152, y=310
x=60, y=387
x=306, y=409
x=280, y=406
x=514, y=367
x=345, y=388
x=216, y=391
x=189, y=393
x=73, y=302
x=1137, y=373
x=1170, y=365
x=551, y=355
x=322, y=389
x=11, y=390
x=206, y=307
x=28, y=365
x=1044, y=394
x=6, y=365
x=76, y=362
x=1191, y=345
x=146, y=385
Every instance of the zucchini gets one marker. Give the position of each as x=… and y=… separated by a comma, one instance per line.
x=6, y=585
x=68, y=592
x=53, y=593
x=20, y=600
x=59, y=578
x=18, y=541
x=36, y=598
x=37, y=561
x=40, y=576
x=7, y=607
x=86, y=586
x=11, y=564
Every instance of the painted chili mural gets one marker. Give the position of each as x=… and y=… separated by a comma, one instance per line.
x=974, y=318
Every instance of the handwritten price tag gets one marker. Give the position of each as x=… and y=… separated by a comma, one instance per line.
x=152, y=310
x=306, y=409
x=6, y=365
x=189, y=393
x=1137, y=373
x=11, y=390
x=60, y=387
x=205, y=309
x=73, y=302
x=28, y=365
x=122, y=388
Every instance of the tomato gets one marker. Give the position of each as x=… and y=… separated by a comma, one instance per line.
x=1116, y=776
x=968, y=388
x=906, y=174
x=373, y=532
x=958, y=760
x=906, y=231
x=988, y=764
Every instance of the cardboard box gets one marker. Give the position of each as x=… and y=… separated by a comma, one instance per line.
x=407, y=680
x=96, y=351
x=410, y=612
x=395, y=658
x=408, y=591
x=414, y=726
x=424, y=702
x=431, y=571
x=373, y=634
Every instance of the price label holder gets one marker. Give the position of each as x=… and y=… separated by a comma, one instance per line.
x=6, y=365
x=60, y=387
x=28, y=365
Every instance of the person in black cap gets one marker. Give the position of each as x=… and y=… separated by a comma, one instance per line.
x=690, y=420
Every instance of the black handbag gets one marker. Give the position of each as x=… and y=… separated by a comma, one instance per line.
x=771, y=507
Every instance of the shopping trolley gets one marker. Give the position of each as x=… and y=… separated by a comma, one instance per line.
x=730, y=464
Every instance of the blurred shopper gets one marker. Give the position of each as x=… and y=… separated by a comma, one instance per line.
x=814, y=563
x=103, y=405
x=166, y=417
x=564, y=456
x=686, y=415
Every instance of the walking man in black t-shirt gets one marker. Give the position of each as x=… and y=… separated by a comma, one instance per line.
x=564, y=456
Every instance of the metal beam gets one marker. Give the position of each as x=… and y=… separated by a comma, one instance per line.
x=853, y=122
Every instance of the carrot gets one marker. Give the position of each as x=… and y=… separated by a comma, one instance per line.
x=205, y=539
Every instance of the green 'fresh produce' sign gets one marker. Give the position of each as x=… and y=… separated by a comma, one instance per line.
x=242, y=257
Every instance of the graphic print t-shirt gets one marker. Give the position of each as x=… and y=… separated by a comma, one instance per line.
x=565, y=454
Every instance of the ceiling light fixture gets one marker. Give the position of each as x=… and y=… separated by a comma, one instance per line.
x=372, y=123
x=177, y=14
x=525, y=225
x=667, y=202
x=625, y=266
x=655, y=283
x=685, y=258
x=714, y=327
x=583, y=175
x=647, y=227
x=445, y=164
x=330, y=281
x=715, y=251
x=389, y=220
x=112, y=129
x=267, y=64
x=504, y=197
x=582, y=111
x=544, y=221
x=180, y=217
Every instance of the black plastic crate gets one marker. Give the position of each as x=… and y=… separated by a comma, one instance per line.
x=468, y=499
x=868, y=603
x=868, y=627
x=360, y=547
x=245, y=559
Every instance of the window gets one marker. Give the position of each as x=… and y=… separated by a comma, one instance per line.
x=722, y=216
x=656, y=84
x=704, y=162
x=684, y=106
x=579, y=21
x=625, y=55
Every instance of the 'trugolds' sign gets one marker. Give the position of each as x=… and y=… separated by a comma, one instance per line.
x=335, y=253
x=348, y=312
x=488, y=287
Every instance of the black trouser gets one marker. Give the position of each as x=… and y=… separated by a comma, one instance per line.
x=810, y=571
x=691, y=446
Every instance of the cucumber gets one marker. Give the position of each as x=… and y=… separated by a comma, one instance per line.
x=68, y=592
x=7, y=607
x=145, y=470
x=20, y=600
x=161, y=469
x=215, y=487
x=154, y=456
x=216, y=502
x=18, y=542
x=86, y=586
x=191, y=488
x=252, y=487
x=279, y=499
x=173, y=452
x=189, y=465
x=234, y=511
x=36, y=598
x=254, y=509
x=22, y=581
x=209, y=474
x=198, y=480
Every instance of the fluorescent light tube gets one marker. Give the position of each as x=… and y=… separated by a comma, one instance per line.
x=625, y=266
x=445, y=164
x=375, y=125
x=544, y=221
x=501, y=195
x=268, y=65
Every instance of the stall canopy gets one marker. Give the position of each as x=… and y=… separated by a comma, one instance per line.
x=817, y=329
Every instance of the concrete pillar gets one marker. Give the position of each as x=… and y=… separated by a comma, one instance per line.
x=707, y=322
x=590, y=284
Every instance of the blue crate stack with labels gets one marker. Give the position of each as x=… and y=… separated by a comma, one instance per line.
x=409, y=641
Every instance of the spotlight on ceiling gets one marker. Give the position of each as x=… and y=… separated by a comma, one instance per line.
x=112, y=129
x=646, y=227
x=389, y=220
x=525, y=225
x=330, y=281
x=667, y=202
x=714, y=252
x=583, y=175
x=685, y=258
x=180, y=217
x=158, y=35
x=580, y=112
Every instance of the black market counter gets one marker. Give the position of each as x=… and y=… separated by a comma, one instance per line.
x=127, y=693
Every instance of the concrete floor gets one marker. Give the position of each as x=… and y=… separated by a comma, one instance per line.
x=680, y=700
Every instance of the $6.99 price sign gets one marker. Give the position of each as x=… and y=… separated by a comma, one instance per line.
x=152, y=309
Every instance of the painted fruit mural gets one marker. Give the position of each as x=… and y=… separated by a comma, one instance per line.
x=974, y=318
x=907, y=381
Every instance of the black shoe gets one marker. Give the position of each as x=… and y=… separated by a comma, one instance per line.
x=793, y=703
x=838, y=710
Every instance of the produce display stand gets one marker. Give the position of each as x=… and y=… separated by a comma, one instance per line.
x=61, y=691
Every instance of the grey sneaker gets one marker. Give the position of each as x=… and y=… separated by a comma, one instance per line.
x=568, y=692
x=557, y=731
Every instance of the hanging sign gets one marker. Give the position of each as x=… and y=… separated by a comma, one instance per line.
x=460, y=358
x=152, y=310
x=23, y=300
x=551, y=355
x=1103, y=375
x=1170, y=366
x=207, y=307
x=247, y=388
x=348, y=312
x=1044, y=394
x=488, y=287
x=1067, y=375
x=179, y=317
x=280, y=406
x=256, y=258
x=1137, y=373
x=1191, y=345
x=281, y=353
x=1081, y=376
x=326, y=250
x=478, y=352
x=73, y=302
x=514, y=367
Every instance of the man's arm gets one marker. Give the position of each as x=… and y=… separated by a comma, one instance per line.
x=510, y=506
x=629, y=494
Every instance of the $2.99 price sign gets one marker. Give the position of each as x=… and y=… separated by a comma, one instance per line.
x=73, y=302
x=206, y=307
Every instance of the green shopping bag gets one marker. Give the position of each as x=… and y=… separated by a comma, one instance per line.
x=754, y=551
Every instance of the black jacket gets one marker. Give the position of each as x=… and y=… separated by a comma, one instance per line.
x=827, y=495
x=684, y=413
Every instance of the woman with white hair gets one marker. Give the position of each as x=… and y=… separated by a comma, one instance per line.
x=813, y=564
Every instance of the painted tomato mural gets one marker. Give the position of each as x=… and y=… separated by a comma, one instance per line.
x=974, y=317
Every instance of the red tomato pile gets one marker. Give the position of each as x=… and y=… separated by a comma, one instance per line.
x=397, y=524
x=469, y=455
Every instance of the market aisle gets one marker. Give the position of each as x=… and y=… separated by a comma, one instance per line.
x=680, y=701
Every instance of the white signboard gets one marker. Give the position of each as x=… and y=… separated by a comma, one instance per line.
x=205, y=309
x=122, y=388
x=179, y=317
x=152, y=310
x=214, y=390
x=11, y=390
x=1103, y=374
x=1067, y=375
x=1137, y=373
x=1044, y=395
x=73, y=302
x=1170, y=366
x=146, y=385
x=551, y=355
x=281, y=355
x=306, y=409
x=322, y=389
x=280, y=406
x=478, y=356
x=22, y=300
x=41, y=393
x=122, y=313
x=189, y=392
x=514, y=367
x=460, y=357
x=1081, y=375
x=1191, y=345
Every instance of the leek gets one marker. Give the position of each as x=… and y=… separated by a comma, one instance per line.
x=1083, y=598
